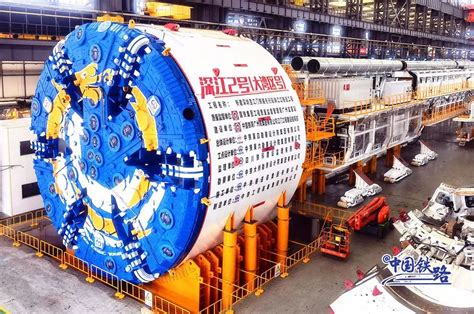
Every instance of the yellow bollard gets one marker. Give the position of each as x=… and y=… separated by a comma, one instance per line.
x=228, y=264
x=283, y=216
x=250, y=252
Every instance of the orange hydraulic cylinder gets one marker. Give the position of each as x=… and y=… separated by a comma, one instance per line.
x=250, y=252
x=229, y=263
x=391, y=153
x=373, y=165
x=283, y=216
x=314, y=182
x=321, y=182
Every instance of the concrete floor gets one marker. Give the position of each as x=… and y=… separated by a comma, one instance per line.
x=29, y=284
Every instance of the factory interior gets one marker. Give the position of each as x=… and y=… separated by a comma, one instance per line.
x=221, y=156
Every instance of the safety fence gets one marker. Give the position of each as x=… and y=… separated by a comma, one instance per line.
x=302, y=254
x=321, y=211
x=28, y=240
x=395, y=99
x=164, y=306
x=10, y=233
x=52, y=251
x=387, y=103
x=31, y=218
x=76, y=263
x=314, y=158
x=424, y=92
x=215, y=307
x=319, y=128
x=93, y=273
x=334, y=160
x=278, y=266
x=441, y=113
x=312, y=94
x=308, y=94
x=364, y=106
x=254, y=286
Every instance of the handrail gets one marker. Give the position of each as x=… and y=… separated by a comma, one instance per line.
x=334, y=160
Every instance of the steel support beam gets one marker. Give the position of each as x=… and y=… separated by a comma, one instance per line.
x=320, y=6
x=309, y=14
x=354, y=9
x=390, y=41
x=380, y=12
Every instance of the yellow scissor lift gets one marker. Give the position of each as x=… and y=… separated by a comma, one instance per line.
x=334, y=237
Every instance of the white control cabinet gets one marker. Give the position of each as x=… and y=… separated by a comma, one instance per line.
x=18, y=184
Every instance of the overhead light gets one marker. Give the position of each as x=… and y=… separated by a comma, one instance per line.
x=367, y=35
x=336, y=31
x=299, y=26
x=236, y=19
x=338, y=3
x=139, y=6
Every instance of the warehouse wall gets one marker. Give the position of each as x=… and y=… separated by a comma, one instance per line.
x=24, y=52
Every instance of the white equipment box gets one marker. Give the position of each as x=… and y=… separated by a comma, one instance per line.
x=395, y=92
x=18, y=184
x=346, y=92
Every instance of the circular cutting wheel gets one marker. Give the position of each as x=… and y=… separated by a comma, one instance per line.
x=118, y=155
